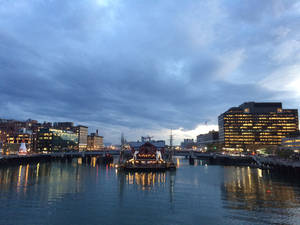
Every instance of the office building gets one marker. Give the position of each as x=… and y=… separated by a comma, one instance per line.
x=211, y=137
x=50, y=139
x=255, y=123
x=95, y=142
x=82, y=132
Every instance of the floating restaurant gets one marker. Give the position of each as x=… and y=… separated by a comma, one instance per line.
x=147, y=157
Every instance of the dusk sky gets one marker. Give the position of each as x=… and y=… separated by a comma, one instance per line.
x=143, y=67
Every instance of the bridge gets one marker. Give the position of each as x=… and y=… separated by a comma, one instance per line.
x=37, y=157
x=213, y=158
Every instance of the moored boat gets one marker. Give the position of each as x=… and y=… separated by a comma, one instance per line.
x=147, y=158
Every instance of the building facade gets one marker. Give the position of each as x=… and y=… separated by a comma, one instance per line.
x=44, y=136
x=210, y=138
x=82, y=132
x=255, y=123
x=94, y=142
x=50, y=139
x=14, y=132
x=14, y=141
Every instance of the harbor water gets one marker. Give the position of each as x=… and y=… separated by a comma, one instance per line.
x=80, y=192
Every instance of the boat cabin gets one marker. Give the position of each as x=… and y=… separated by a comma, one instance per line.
x=147, y=153
x=147, y=158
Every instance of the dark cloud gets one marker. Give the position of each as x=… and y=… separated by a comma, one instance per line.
x=141, y=65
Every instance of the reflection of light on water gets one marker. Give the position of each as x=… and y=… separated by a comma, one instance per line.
x=130, y=179
x=249, y=186
x=37, y=170
x=196, y=163
x=145, y=180
x=26, y=177
x=19, y=177
x=249, y=175
x=259, y=172
x=177, y=163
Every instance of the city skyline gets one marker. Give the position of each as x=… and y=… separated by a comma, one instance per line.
x=143, y=68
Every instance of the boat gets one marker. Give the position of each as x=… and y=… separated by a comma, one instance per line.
x=147, y=158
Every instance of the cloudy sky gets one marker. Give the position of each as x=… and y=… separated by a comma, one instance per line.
x=143, y=67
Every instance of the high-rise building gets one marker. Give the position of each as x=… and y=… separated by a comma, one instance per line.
x=255, y=123
x=82, y=132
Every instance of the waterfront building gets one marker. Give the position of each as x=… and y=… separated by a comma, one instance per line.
x=13, y=141
x=11, y=131
x=211, y=137
x=82, y=132
x=50, y=139
x=188, y=143
x=255, y=123
x=95, y=142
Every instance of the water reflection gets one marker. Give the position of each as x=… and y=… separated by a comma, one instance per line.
x=82, y=191
x=147, y=180
x=250, y=189
x=58, y=178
